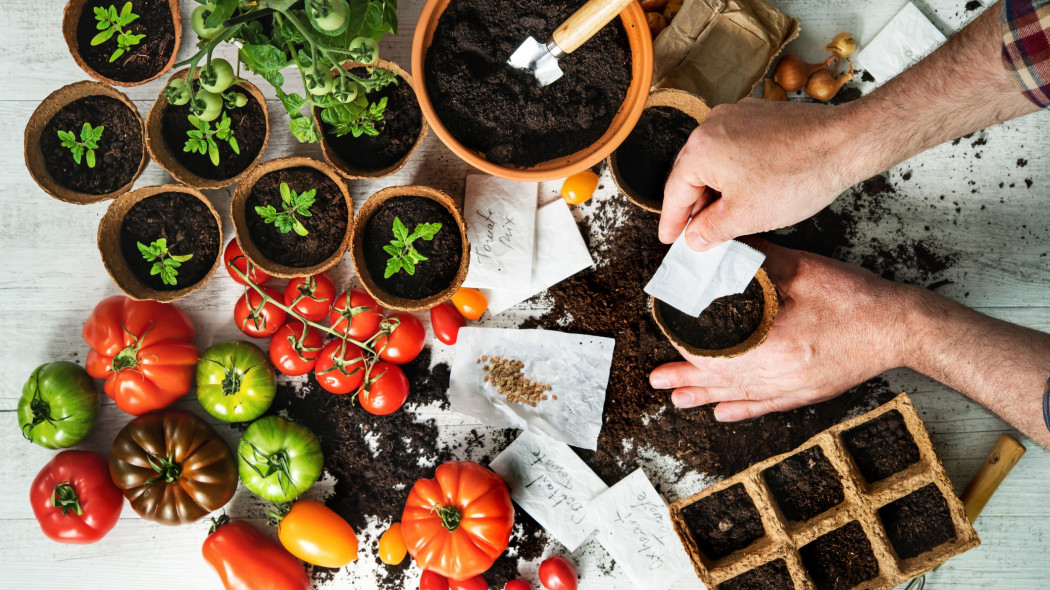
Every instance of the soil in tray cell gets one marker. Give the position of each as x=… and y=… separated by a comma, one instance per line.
x=804, y=485
x=139, y=62
x=840, y=559
x=724, y=522
x=771, y=576
x=918, y=522
x=189, y=228
x=881, y=447
x=646, y=157
x=248, y=124
x=728, y=321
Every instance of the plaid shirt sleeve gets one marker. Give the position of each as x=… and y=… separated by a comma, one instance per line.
x=1026, y=47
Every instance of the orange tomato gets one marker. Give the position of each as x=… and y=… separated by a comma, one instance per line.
x=315, y=534
x=579, y=187
x=471, y=303
x=392, y=549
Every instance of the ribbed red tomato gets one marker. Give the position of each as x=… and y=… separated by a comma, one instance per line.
x=474, y=583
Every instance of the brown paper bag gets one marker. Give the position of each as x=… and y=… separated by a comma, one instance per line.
x=720, y=49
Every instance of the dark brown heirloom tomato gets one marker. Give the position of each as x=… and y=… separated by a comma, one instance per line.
x=173, y=467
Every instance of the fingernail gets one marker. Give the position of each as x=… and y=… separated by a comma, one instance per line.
x=695, y=241
x=682, y=399
x=659, y=382
x=720, y=414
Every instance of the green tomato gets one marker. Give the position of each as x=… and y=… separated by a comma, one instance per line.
x=200, y=14
x=318, y=83
x=206, y=105
x=217, y=76
x=364, y=50
x=59, y=405
x=278, y=459
x=239, y=99
x=235, y=381
x=327, y=16
x=178, y=92
x=346, y=90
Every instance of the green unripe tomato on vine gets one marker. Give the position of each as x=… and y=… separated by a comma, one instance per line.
x=364, y=50
x=207, y=106
x=327, y=16
x=235, y=100
x=178, y=92
x=200, y=14
x=318, y=83
x=346, y=90
x=217, y=76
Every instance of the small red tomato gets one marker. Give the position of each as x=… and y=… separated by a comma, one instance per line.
x=470, y=302
x=432, y=581
x=74, y=498
x=294, y=348
x=401, y=338
x=476, y=583
x=356, y=314
x=556, y=573
x=256, y=317
x=385, y=389
x=518, y=584
x=341, y=367
x=579, y=187
x=446, y=322
x=310, y=297
x=234, y=256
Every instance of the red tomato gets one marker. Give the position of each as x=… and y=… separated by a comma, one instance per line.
x=356, y=314
x=341, y=373
x=294, y=353
x=401, y=338
x=470, y=302
x=446, y=322
x=556, y=573
x=518, y=585
x=310, y=297
x=246, y=559
x=385, y=390
x=258, y=318
x=234, y=256
x=476, y=583
x=74, y=499
x=432, y=581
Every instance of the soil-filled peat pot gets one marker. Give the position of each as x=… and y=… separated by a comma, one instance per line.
x=288, y=254
x=160, y=21
x=119, y=158
x=447, y=255
x=181, y=216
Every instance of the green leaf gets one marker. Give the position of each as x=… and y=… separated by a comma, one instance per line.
x=182, y=258
x=102, y=37
x=427, y=231
x=304, y=130
x=300, y=228
x=400, y=231
x=409, y=265
x=78, y=152
x=392, y=267
x=213, y=153
x=116, y=54
x=222, y=11
x=286, y=193
x=91, y=158
x=391, y=250
x=233, y=145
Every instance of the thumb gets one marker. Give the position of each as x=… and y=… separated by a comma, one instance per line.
x=718, y=222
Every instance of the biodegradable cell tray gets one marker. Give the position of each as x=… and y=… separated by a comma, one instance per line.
x=871, y=507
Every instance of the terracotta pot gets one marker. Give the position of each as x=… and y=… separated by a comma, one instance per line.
x=769, y=313
x=240, y=224
x=665, y=97
x=69, y=30
x=113, y=259
x=160, y=153
x=641, y=44
x=357, y=248
x=349, y=170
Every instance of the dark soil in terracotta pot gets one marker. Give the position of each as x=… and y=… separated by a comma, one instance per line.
x=840, y=559
x=141, y=61
x=770, y=576
x=501, y=111
x=804, y=485
x=189, y=228
x=403, y=121
x=728, y=321
x=327, y=224
x=723, y=522
x=918, y=522
x=444, y=252
x=249, y=127
x=881, y=447
x=119, y=151
x=646, y=157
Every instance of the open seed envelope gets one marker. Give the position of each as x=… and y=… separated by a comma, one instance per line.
x=557, y=391
x=690, y=281
x=908, y=37
x=501, y=225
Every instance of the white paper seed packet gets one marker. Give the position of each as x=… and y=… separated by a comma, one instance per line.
x=635, y=527
x=550, y=482
x=501, y=225
x=908, y=37
x=570, y=370
x=689, y=280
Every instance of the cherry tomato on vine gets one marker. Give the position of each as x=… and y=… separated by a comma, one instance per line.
x=256, y=317
x=392, y=548
x=201, y=14
x=294, y=353
x=310, y=297
x=579, y=187
x=234, y=256
x=518, y=584
x=385, y=389
x=207, y=106
x=356, y=314
x=318, y=82
x=476, y=583
x=432, y=581
x=217, y=76
x=340, y=373
x=315, y=534
x=401, y=338
x=178, y=92
x=470, y=302
x=556, y=573
x=446, y=322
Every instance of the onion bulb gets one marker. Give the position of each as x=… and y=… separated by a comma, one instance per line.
x=791, y=73
x=773, y=91
x=843, y=45
x=657, y=23
x=823, y=85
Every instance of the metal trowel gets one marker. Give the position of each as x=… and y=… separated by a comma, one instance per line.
x=542, y=59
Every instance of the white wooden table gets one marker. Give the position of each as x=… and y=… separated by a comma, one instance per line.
x=51, y=277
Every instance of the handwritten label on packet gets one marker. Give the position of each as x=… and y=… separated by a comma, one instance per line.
x=552, y=484
x=635, y=528
x=501, y=225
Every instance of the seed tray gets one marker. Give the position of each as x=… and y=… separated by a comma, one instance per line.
x=854, y=521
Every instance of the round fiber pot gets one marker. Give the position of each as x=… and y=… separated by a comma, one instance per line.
x=240, y=210
x=641, y=44
x=165, y=155
x=679, y=100
x=113, y=258
x=355, y=172
x=770, y=308
x=147, y=24
x=37, y=162
x=371, y=283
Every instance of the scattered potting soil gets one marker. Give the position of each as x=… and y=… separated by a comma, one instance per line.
x=770, y=576
x=249, y=128
x=327, y=224
x=881, y=447
x=804, y=485
x=840, y=559
x=646, y=157
x=723, y=522
x=140, y=61
x=501, y=111
x=189, y=228
x=444, y=253
x=402, y=122
x=728, y=321
x=119, y=151
x=918, y=522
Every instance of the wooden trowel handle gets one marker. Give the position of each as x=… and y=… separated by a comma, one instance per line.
x=587, y=21
x=1000, y=461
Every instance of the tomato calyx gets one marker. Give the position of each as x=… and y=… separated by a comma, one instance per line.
x=278, y=463
x=168, y=468
x=278, y=512
x=231, y=381
x=64, y=496
x=299, y=344
x=342, y=365
x=450, y=516
x=41, y=410
x=218, y=522
x=129, y=357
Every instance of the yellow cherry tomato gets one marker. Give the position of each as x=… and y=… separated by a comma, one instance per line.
x=579, y=187
x=471, y=303
x=392, y=548
x=316, y=534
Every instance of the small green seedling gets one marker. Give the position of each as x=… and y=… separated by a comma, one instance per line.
x=111, y=22
x=202, y=139
x=295, y=206
x=403, y=256
x=89, y=138
x=165, y=263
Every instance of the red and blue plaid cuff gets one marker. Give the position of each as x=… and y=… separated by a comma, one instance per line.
x=1026, y=47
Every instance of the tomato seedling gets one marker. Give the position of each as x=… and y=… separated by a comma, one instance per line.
x=164, y=262
x=89, y=138
x=203, y=139
x=403, y=256
x=295, y=205
x=110, y=22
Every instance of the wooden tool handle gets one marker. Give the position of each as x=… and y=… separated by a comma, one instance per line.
x=587, y=21
x=1000, y=461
